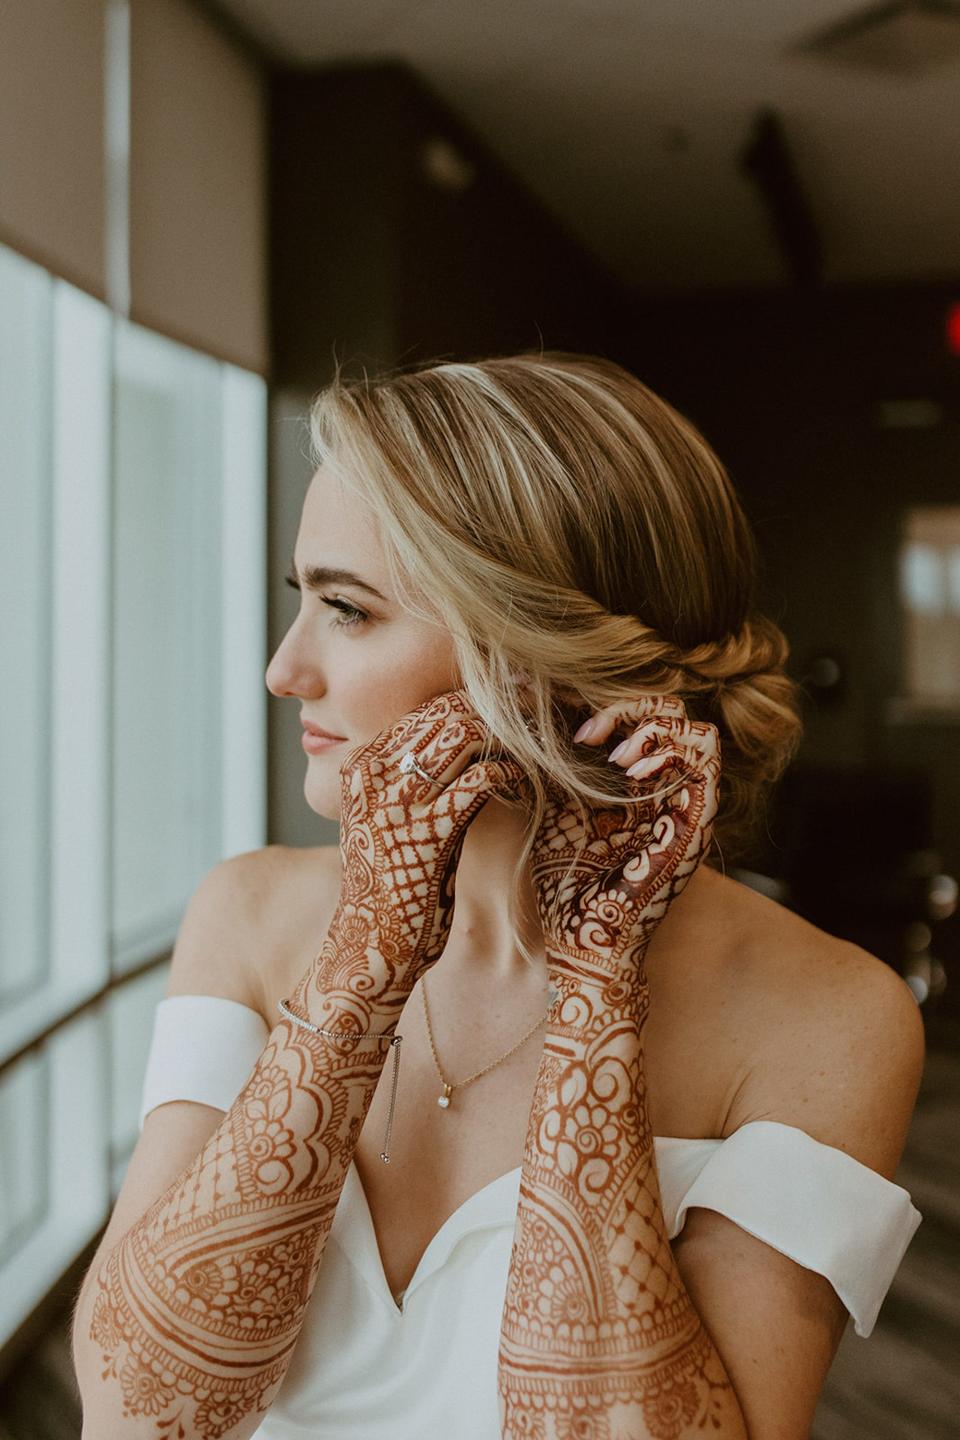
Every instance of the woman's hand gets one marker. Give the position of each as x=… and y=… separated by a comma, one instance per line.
x=599, y=1336
x=400, y=841
x=599, y=916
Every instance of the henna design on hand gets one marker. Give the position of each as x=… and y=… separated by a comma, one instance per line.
x=196, y=1311
x=599, y=1339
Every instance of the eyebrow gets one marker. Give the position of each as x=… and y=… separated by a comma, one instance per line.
x=318, y=577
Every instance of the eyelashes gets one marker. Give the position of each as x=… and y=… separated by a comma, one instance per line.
x=349, y=614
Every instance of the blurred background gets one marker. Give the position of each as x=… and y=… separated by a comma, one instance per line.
x=753, y=205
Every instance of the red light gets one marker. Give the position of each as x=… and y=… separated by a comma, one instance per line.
x=953, y=328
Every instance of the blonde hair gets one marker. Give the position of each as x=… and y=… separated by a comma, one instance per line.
x=563, y=521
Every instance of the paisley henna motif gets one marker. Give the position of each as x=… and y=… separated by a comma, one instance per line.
x=197, y=1310
x=599, y=1339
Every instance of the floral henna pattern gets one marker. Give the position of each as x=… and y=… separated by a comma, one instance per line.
x=599, y=1339
x=199, y=1307
x=197, y=1310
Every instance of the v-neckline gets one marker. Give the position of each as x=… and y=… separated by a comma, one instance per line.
x=357, y=1236
x=441, y=1242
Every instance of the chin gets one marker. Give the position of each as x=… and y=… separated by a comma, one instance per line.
x=322, y=794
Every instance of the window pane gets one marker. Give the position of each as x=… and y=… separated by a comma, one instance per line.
x=54, y=554
x=24, y=1144
x=25, y=457
x=930, y=602
x=166, y=635
x=54, y=1175
x=244, y=639
x=130, y=1011
x=923, y=579
x=953, y=578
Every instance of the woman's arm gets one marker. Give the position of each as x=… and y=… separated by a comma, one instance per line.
x=193, y=1316
x=599, y=1335
x=229, y=924
x=837, y=1048
x=599, y=1326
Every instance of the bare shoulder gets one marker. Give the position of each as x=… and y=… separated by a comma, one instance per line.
x=248, y=915
x=832, y=1038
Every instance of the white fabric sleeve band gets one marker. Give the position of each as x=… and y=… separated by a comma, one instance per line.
x=204, y=1048
x=813, y=1203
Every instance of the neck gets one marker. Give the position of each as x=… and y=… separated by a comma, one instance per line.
x=481, y=942
x=481, y=937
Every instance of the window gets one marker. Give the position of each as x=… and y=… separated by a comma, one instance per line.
x=54, y=1177
x=132, y=557
x=166, y=719
x=25, y=488
x=930, y=601
x=54, y=380
x=129, y=1011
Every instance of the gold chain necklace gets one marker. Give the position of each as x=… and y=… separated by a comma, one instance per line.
x=448, y=1086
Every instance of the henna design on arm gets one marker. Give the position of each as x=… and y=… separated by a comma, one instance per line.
x=599, y=1338
x=197, y=1310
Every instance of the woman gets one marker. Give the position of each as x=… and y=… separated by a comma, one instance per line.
x=640, y=1160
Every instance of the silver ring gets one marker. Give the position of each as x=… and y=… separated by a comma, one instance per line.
x=409, y=765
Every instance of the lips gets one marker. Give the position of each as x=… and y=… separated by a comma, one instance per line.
x=312, y=729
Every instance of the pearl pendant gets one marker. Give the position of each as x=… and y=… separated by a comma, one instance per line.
x=444, y=1100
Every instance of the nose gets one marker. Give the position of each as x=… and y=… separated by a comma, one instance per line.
x=292, y=671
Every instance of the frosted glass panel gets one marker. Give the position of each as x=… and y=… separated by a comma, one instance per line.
x=25, y=586
x=166, y=635
x=24, y=1144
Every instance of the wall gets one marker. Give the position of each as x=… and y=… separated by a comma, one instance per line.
x=377, y=261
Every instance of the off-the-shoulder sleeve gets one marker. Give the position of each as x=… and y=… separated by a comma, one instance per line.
x=203, y=1048
x=812, y=1202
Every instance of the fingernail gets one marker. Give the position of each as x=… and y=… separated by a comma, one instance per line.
x=586, y=730
x=615, y=754
x=644, y=766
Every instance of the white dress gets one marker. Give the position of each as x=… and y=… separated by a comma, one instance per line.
x=366, y=1368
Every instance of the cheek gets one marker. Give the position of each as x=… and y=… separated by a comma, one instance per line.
x=368, y=693
x=391, y=684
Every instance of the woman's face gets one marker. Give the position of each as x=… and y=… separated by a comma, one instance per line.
x=352, y=657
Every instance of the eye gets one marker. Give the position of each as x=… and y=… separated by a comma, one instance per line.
x=350, y=615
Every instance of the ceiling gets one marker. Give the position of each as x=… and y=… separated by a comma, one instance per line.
x=628, y=119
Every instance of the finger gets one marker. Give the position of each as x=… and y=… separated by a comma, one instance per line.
x=433, y=736
x=446, y=754
x=651, y=733
x=463, y=780
x=502, y=779
x=682, y=751
x=656, y=775
x=419, y=726
x=627, y=714
x=687, y=768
